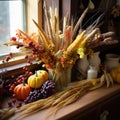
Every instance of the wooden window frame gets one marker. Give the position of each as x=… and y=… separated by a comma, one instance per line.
x=33, y=11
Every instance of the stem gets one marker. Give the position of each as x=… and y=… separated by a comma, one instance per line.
x=23, y=82
x=36, y=73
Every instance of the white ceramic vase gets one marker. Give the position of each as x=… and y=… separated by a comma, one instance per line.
x=111, y=61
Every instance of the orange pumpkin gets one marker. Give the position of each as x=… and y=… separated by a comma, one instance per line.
x=21, y=91
x=115, y=73
x=36, y=80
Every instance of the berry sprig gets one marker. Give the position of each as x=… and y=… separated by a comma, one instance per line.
x=8, y=57
x=14, y=103
x=10, y=83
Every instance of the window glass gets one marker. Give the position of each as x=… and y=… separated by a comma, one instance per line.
x=11, y=18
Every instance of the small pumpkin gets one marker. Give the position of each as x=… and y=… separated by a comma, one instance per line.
x=115, y=73
x=36, y=80
x=21, y=91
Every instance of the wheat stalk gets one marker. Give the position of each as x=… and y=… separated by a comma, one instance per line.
x=6, y=113
x=63, y=98
x=48, y=20
x=79, y=23
x=45, y=39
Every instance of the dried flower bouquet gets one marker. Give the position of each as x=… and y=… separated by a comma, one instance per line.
x=59, y=49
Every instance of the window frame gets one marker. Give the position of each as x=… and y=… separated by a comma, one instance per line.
x=28, y=8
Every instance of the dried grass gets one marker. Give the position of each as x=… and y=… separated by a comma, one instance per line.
x=63, y=98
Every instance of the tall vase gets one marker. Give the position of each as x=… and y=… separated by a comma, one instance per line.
x=61, y=78
x=95, y=60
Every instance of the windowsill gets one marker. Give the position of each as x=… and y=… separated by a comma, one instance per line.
x=15, y=67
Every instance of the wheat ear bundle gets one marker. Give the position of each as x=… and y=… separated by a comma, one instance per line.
x=47, y=41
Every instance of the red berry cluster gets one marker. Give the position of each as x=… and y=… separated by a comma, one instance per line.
x=8, y=57
x=13, y=39
x=14, y=103
x=36, y=52
x=10, y=84
x=36, y=48
x=29, y=60
x=19, y=45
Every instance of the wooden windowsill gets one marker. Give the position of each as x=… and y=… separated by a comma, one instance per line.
x=15, y=68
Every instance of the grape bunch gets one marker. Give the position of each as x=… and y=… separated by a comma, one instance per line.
x=47, y=89
x=34, y=96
